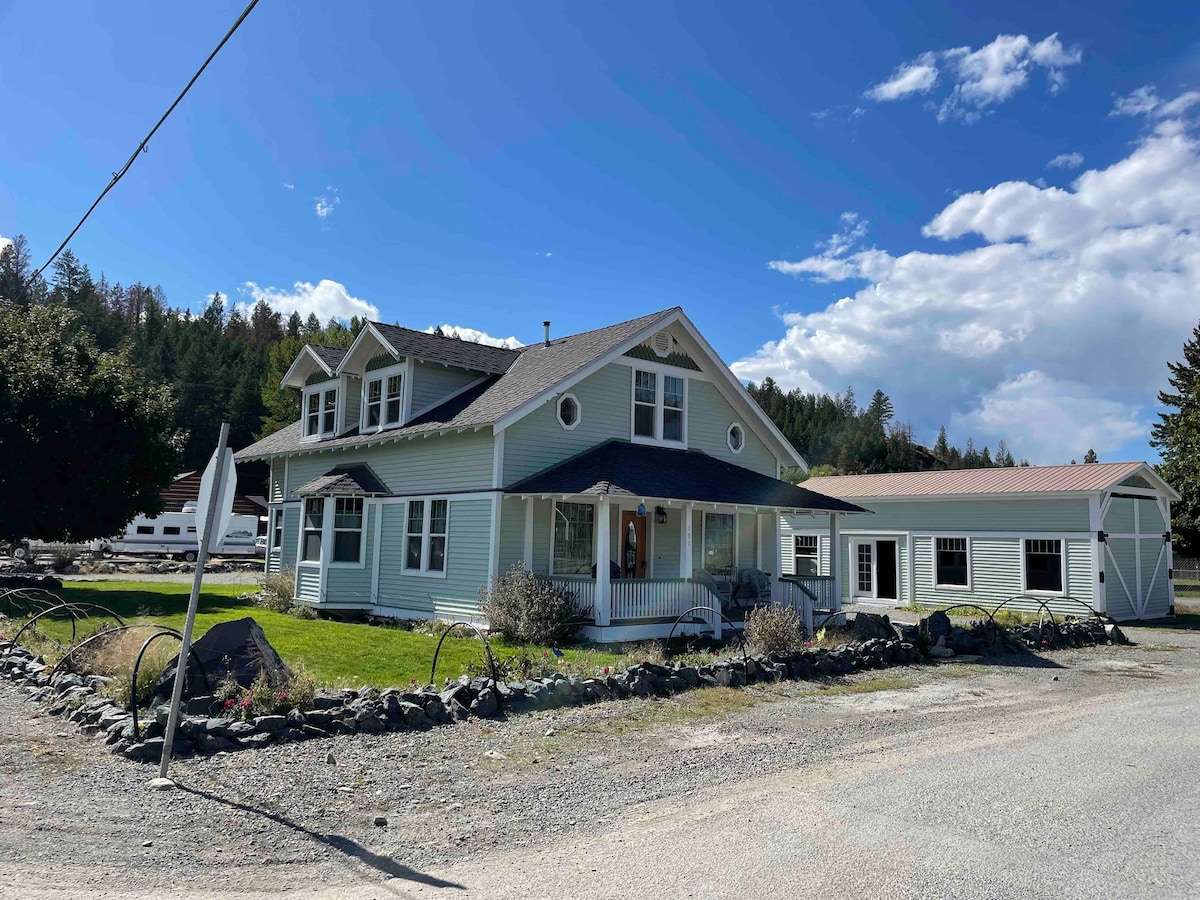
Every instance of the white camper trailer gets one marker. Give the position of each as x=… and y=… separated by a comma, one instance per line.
x=173, y=534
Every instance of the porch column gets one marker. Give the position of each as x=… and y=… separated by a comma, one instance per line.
x=685, y=541
x=527, y=558
x=835, y=563
x=603, y=603
x=778, y=591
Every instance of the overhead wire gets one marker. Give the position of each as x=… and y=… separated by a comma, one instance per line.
x=142, y=146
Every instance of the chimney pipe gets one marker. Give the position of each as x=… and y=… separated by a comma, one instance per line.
x=546, y=325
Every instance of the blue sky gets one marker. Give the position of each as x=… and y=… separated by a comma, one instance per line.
x=495, y=164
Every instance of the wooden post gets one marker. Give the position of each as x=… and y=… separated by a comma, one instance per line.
x=603, y=606
x=835, y=562
x=528, y=555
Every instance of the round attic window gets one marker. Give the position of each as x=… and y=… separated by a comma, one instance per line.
x=568, y=411
x=737, y=439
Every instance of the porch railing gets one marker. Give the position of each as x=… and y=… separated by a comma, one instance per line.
x=583, y=587
x=654, y=598
x=808, y=594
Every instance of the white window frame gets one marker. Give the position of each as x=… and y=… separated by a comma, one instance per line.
x=275, y=524
x=426, y=516
x=320, y=390
x=595, y=532
x=857, y=591
x=382, y=376
x=737, y=531
x=729, y=436
x=816, y=557
x=578, y=411
x=1063, y=573
x=333, y=531
x=301, y=559
x=661, y=374
x=965, y=588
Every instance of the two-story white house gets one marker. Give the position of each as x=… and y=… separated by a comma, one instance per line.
x=628, y=463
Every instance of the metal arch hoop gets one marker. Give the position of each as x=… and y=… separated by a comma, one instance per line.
x=137, y=664
x=741, y=637
x=994, y=630
x=1075, y=600
x=75, y=609
x=829, y=615
x=25, y=598
x=61, y=664
x=486, y=646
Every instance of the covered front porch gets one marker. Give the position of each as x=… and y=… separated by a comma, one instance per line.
x=644, y=535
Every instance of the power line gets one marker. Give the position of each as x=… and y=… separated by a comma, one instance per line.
x=141, y=148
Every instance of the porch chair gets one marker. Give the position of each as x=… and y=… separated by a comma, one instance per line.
x=753, y=585
x=722, y=588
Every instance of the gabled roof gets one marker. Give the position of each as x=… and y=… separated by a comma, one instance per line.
x=331, y=357
x=622, y=469
x=439, y=348
x=327, y=359
x=1087, y=478
x=352, y=479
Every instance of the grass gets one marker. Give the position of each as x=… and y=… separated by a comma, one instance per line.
x=333, y=653
x=867, y=685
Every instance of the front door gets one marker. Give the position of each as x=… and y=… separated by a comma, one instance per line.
x=633, y=545
x=885, y=561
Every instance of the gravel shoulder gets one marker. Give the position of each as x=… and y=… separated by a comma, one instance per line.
x=968, y=780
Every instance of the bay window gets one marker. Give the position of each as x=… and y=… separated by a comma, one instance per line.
x=659, y=407
x=574, y=538
x=314, y=523
x=426, y=526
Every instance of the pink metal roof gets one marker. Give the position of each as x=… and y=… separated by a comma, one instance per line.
x=1012, y=480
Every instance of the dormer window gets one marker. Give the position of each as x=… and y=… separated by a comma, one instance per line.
x=383, y=398
x=659, y=407
x=320, y=410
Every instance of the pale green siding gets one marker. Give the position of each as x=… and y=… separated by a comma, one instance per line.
x=467, y=549
x=747, y=546
x=709, y=418
x=541, y=536
x=1155, y=587
x=1155, y=590
x=308, y=583
x=512, y=533
x=433, y=382
x=666, y=546
x=438, y=464
x=353, y=389
x=697, y=539
x=1121, y=597
x=291, y=536
x=1119, y=518
x=351, y=583
x=538, y=441
x=1031, y=516
x=275, y=482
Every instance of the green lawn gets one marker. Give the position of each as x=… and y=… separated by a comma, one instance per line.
x=333, y=653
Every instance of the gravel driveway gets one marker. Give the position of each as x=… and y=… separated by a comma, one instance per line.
x=1074, y=778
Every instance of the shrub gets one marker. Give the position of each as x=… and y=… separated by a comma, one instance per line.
x=530, y=610
x=114, y=656
x=275, y=591
x=303, y=612
x=774, y=627
x=266, y=698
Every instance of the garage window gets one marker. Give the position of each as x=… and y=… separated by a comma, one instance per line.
x=1043, y=565
x=952, y=566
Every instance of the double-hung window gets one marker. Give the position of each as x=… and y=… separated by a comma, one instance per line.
x=383, y=400
x=276, y=530
x=314, y=523
x=1043, y=565
x=347, y=529
x=806, y=555
x=426, y=526
x=574, y=535
x=719, y=538
x=659, y=407
x=320, y=412
x=950, y=563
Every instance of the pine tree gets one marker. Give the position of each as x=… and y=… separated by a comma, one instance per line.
x=970, y=456
x=880, y=409
x=941, y=449
x=295, y=325
x=1177, y=437
x=985, y=459
x=1091, y=457
x=1003, y=456
x=312, y=327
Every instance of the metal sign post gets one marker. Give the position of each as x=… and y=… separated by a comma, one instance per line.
x=216, y=501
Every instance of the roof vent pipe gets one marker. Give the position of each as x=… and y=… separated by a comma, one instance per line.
x=546, y=325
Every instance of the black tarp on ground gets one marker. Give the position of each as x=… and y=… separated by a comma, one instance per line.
x=9, y=580
x=238, y=649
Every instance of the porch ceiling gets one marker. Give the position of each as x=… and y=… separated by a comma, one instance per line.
x=622, y=469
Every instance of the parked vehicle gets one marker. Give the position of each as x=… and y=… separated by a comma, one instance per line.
x=18, y=550
x=173, y=534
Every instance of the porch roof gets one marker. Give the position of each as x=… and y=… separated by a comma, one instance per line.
x=622, y=469
x=353, y=479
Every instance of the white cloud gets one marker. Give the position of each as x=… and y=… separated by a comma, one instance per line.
x=475, y=336
x=1066, y=161
x=1145, y=102
x=290, y=187
x=917, y=77
x=4, y=242
x=328, y=299
x=980, y=78
x=1054, y=333
x=326, y=205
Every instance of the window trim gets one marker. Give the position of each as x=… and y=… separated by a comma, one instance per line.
x=273, y=526
x=305, y=529
x=362, y=530
x=1063, y=574
x=578, y=411
x=704, y=536
x=661, y=374
x=729, y=436
x=382, y=376
x=595, y=535
x=964, y=588
x=426, y=543
x=816, y=557
x=320, y=389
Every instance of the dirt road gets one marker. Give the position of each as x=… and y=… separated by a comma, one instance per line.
x=1071, y=779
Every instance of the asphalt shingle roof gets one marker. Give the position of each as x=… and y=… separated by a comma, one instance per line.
x=469, y=355
x=331, y=356
x=352, y=479
x=621, y=469
x=533, y=370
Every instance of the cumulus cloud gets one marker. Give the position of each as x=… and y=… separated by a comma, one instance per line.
x=328, y=299
x=979, y=78
x=1146, y=102
x=4, y=242
x=1066, y=161
x=1058, y=324
x=476, y=336
x=328, y=202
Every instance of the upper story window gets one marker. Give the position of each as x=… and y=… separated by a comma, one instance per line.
x=568, y=411
x=659, y=407
x=320, y=410
x=383, y=399
x=736, y=438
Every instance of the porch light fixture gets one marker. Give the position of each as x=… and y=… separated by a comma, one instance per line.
x=641, y=511
x=660, y=515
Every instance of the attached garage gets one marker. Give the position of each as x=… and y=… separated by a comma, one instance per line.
x=1063, y=536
